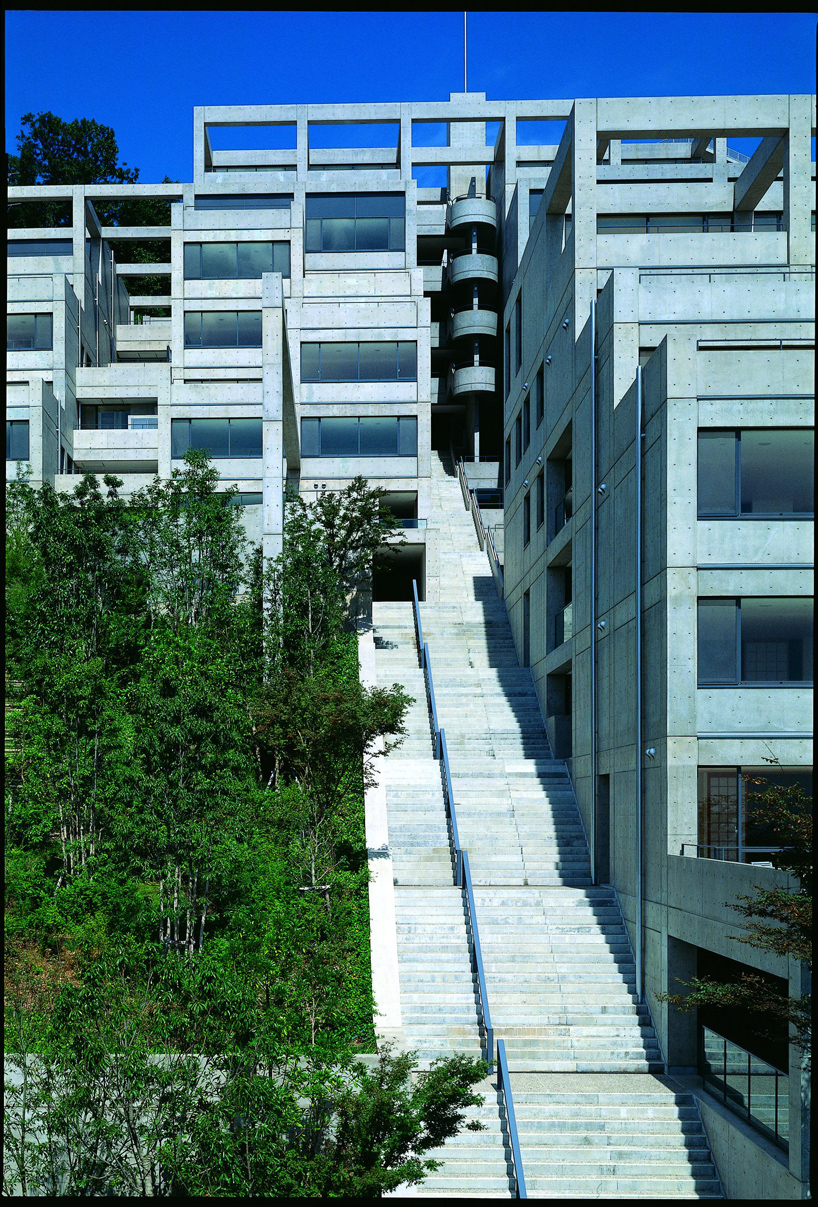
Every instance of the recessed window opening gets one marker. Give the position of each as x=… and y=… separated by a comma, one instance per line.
x=17, y=443
x=244, y=201
x=39, y=247
x=223, y=329
x=732, y=807
x=493, y=132
x=373, y=361
x=29, y=332
x=375, y=436
x=219, y=438
x=756, y=472
x=340, y=222
x=756, y=641
x=234, y=261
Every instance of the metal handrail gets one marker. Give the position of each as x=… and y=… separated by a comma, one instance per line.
x=722, y=847
x=494, y=562
x=505, y=1086
x=477, y=958
x=716, y=1080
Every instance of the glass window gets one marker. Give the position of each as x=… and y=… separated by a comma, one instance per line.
x=29, y=332
x=193, y=329
x=193, y=261
x=249, y=329
x=526, y=519
x=210, y=435
x=540, y=499
x=339, y=362
x=281, y=258
x=309, y=362
x=245, y=438
x=526, y=422
x=717, y=473
x=718, y=809
x=518, y=331
x=219, y=329
x=518, y=440
x=772, y=468
x=732, y=805
x=507, y=359
x=17, y=440
x=776, y=640
x=407, y=361
x=777, y=472
x=254, y=259
x=378, y=362
x=218, y=260
x=407, y=436
x=534, y=199
x=717, y=640
x=242, y=201
x=508, y=461
x=39, y=247
x=378, y=437
x=339, y=437
x=179, y=437
x=310, y=437
x=767, y=640
x=539, y=396
x=355, y=222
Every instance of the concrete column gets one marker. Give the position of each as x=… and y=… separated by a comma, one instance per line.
x=798, y=192
x=583, y=206
x=272, y=374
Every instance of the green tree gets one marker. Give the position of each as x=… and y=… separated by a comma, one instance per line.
x=780, y=919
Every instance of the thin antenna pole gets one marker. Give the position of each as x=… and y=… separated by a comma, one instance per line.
x=465, y=73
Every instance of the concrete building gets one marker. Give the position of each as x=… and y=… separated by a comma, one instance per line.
x=607, y=312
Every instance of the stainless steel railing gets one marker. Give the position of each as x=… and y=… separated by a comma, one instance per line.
x=746, y=1084
x=463, y=881
x=483, y=531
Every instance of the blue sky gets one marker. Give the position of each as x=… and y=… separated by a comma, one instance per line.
x=142, y=72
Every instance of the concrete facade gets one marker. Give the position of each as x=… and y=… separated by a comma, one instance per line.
x=587, y=285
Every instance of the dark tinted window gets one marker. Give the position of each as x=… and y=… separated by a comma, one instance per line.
x=29, y=332
x=219, y=438
x=242, y=201
x=765, y=640
x=375, y=436
x=371, y=361
x=40, y=247
x=756, y=472
x=17, y=440
x=223, y=329
x=231, y=261
x=355, y=222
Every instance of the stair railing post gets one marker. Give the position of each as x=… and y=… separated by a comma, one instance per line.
x=505, y=1087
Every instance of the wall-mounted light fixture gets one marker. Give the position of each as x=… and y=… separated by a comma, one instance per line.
x=548, y=360
x=525, y=386
x=526, y=482
x=600, y=490
x=603, y=624
x=565, y=323
x=651, y=752
x=539, y=460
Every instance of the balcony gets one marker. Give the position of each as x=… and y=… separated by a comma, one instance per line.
x=469, y=211
x=144, y=341
x=473, y=379
x=474, y=266
x=472, y=323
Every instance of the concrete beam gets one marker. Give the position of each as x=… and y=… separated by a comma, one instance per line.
x=701, y=148
x=142, y=300
x=557, y=192
x=765, y=164
x=602, y=144
x=112, y=233
x=144, y=270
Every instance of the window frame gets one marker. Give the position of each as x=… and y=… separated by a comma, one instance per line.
x=539, y=387
x=539, y=486
x=229, y=455
x=206, y=347
x=234, y=243
x=518, y=439
x=738, y=681
x=41, y=318
x=526, y=519
x=357, y=344
x=398, y=421
x=395, y=225
x=11, y=424
x=737, y=513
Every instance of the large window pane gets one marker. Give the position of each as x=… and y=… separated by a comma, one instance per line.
x=776, y=640
x=219, y=329
x=218, y=260
x=756, y=783
x=379, y=362
x=718, y=810
x=407, y=361
x=312, y=241
x=336, y=205
x=339, y=437
x=281, y=258
x=193, y=330
x=245, y=438
x=310, y=437
x=339, y=362
x=249, y=329
x=211, y=435
x=380, y=205
x=254, y=259
x=179, y=437
x=309, y=362
x=372, y=234
x=17, y=440
x=379, y=437
x=193, y=261
x=397, y=234
x=338, y=234
x=29, y=332
x=717, y=473
x=407, y=436
x=717, y=620
x=777, y=472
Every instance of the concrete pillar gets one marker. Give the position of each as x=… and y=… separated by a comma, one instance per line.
x=272, y=374
x=583, y=206
x=798, y=190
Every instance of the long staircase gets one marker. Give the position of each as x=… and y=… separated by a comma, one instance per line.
x=595, y=1114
